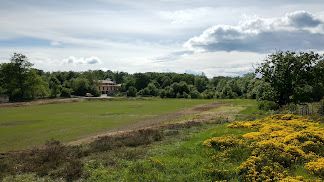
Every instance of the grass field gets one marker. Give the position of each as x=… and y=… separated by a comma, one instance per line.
x=177, y=150
x=27, y=126
x=184, y=157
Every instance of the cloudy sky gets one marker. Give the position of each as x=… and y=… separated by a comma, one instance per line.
x=216, y=37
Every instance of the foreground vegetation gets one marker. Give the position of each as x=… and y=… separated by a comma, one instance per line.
x=27, y=126
x=203, y=146
x=278, y=147
x=130, y=155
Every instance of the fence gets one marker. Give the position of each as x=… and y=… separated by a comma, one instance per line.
x=306, y=109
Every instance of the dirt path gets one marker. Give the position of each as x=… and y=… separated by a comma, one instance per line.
x=148, y=123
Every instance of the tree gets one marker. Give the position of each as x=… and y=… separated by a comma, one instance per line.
x=55, y=86
x=131, y=92
x=201, y=83
x=36, y=87
x=292, y=75
x=66, y=92
x=80, y=86
x=141, y=80
x=20, y=81
x=166, y=81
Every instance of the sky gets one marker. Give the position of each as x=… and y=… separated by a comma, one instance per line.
x=214, y=37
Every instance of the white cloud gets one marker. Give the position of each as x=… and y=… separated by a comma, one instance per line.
x=92, y=60
x=88, y=61
x=186, y=15
x=298, y=30
x=140, y=36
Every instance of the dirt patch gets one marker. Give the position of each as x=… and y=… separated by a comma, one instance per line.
x=41, y=102
x=154, y=122
x=206, y=107
x=17, y=123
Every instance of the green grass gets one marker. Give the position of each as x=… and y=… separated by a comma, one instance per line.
x=182, y=158
x=177, y=158
x=27, y=126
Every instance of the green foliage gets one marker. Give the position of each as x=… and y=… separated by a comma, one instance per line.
x=55, y=87
x=36, y=87
x=294, y=77
x=131, y=92
x=20, y=81
x=66, y=92
x=81, y=86
x=268, y=105
x=283, y=77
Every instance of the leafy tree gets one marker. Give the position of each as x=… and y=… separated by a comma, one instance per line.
x=131, y=92
x=262, y=91
x=36, y=87
x=291, y=75
x=55, y=86
x=66, y=92
x=194, y=94
x=227, y=92
x=141, y=80
x=20, y=81
x=152, y=89
x=201, y=83
x=166, y=81
x=80, y=86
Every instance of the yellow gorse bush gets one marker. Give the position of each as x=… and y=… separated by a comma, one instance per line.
x=279, y=143
x=316, y=167
x=223, y=142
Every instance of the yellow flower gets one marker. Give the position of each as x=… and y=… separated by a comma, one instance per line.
x=316, y=167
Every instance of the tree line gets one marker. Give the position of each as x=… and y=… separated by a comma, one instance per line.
x=282, y=77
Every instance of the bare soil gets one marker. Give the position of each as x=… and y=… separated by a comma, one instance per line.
x=40, y=102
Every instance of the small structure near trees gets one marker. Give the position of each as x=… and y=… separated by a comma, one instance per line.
x=108, y=86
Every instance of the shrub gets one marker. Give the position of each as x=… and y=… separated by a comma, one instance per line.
x=28, y=178
x=220, y=143
x=52, y=159
x=268, y=105
x=194, y=94
x=131, y=92
x=316, y=167
x=221, y=174
x=66, y=92
x=73, y=170
x=279, y=143
x=130, y=139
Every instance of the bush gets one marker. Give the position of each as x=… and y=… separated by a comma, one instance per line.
x=316, y=167
x=277, y=144
x=131, y=92
x=194, y=94
x=267, y=105
x=27, y=178
x=130, y=139
x=53, y=159
x=66, y=92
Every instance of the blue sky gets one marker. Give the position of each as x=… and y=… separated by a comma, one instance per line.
x=216, y=37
